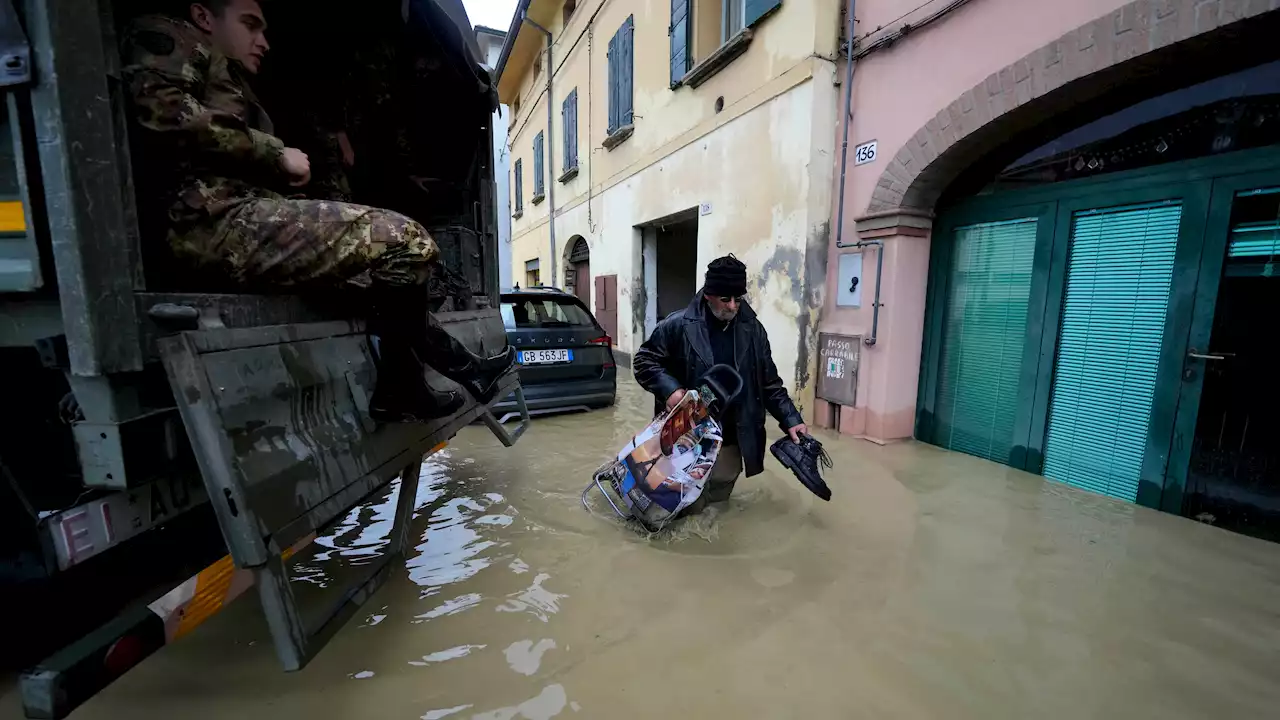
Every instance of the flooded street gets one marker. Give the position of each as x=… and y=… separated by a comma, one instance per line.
x=932, y=585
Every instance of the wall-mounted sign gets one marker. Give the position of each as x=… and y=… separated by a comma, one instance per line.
x=849, y=279
x=838, y=368
x=704, y=209
x=864, y=153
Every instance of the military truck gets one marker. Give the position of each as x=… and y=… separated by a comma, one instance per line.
x=166, y=442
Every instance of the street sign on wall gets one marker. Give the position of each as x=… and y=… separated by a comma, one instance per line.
x=838, y=368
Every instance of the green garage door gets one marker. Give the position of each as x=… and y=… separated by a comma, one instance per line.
x=1116, y=298
x=984, y=328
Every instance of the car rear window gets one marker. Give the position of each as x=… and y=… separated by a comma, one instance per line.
x=542, y=312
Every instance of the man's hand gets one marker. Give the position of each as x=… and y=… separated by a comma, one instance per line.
x=675, y=398
x=297, y=165
x=796, y=431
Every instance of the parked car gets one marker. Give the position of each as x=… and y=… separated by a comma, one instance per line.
x=566, y=358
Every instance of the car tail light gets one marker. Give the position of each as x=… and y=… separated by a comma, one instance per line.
x=604, y=341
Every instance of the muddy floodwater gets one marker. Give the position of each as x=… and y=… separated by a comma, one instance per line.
x=933, y=585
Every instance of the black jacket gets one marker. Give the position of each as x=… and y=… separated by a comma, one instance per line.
x=679, y=352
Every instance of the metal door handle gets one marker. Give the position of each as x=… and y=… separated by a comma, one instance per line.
x=1200, y=356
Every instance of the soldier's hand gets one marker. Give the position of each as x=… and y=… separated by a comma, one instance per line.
x=297, y=165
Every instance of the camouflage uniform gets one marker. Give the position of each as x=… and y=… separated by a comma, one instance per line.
x=208, y=147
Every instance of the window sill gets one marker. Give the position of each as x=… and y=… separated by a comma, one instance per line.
x=569, y=174
x=619, y=136
x=718, y=60
x=537, y=199
x=517, y=215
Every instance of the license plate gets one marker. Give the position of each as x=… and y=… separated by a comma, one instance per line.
x=543, y=357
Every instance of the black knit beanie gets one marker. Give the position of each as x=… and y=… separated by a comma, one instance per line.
x=726, y=277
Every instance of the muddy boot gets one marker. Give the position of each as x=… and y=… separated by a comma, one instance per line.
x=402, y=393
x=479, y=375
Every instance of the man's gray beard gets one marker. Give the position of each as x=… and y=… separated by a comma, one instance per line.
x=724, y=314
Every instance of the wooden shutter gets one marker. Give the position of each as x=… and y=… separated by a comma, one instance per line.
x=519, y=185
x=1117, y=295
x=615, y=104
x=626, y=93
x=681, y=32
x=569, y=112
x=755, y=10
x=538, y=169
x=984, y=328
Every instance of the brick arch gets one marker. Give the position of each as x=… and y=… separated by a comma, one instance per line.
x=1131, y=44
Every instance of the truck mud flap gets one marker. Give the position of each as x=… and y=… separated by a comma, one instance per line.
x=278, y=418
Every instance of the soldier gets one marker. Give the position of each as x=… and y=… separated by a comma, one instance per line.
x=207, y=152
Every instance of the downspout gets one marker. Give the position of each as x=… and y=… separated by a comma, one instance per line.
x=549, y=159
x=844, y=165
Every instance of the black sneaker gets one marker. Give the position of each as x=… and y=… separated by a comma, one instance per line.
x=803, y=459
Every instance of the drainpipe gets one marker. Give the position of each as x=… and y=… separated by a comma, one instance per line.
x=844, y=164
x=549, y=159
x=848, y=115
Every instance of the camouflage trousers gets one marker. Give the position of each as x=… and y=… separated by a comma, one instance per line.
x=284, y=242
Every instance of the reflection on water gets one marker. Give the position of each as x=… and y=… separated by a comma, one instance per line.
x=932, y=585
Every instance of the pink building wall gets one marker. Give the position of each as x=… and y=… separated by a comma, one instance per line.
x=896, y=91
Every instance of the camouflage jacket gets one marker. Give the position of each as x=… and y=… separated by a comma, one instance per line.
x=203, y=143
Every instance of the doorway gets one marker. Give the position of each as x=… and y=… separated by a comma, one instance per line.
x=578, y=269
x=677, y=265
x=1233, y=473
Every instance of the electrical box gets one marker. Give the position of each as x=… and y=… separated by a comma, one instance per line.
x=849, y=281
x=838, y=357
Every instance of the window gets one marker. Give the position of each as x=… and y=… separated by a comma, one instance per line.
x=708, y=34
x=545, y=312
x=621, y=75
x=539, y=141
x=515, y=111
x=532, y=276
x=519, y=183
x=569, y=113
x=569, y=7
x=537, y=66
x=731, y=18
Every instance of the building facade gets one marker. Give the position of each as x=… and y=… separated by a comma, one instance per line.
x=1070, y=215
x=490, y=42
x=658, y=135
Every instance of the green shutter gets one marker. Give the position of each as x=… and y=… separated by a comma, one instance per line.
x=755, y=10
x=626, y=90
x=681, y=32
x=538, y=168
x=615, y=82
x=1113, y=317
x=519, y=185
x=985, y=323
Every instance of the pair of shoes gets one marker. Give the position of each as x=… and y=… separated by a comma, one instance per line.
x=803, y=459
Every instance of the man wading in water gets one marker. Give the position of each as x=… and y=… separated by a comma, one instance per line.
x=720, y=328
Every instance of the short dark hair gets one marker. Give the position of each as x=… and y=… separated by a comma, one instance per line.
x=217, y=7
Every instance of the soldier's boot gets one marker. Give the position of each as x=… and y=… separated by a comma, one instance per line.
x=402, y=393
x=478, y=374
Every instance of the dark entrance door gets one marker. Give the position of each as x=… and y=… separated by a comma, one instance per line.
x=1228, y=427
x=582, y=281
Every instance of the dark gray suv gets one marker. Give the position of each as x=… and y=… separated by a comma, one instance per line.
x=566, y=358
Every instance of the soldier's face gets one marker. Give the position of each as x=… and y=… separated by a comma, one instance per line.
x=239, y=31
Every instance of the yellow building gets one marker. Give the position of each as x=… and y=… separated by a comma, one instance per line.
x=694, y=128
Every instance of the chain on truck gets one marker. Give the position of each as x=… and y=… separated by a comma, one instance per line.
x=165, y=446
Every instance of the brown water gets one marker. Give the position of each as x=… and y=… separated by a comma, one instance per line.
x=932, y=585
